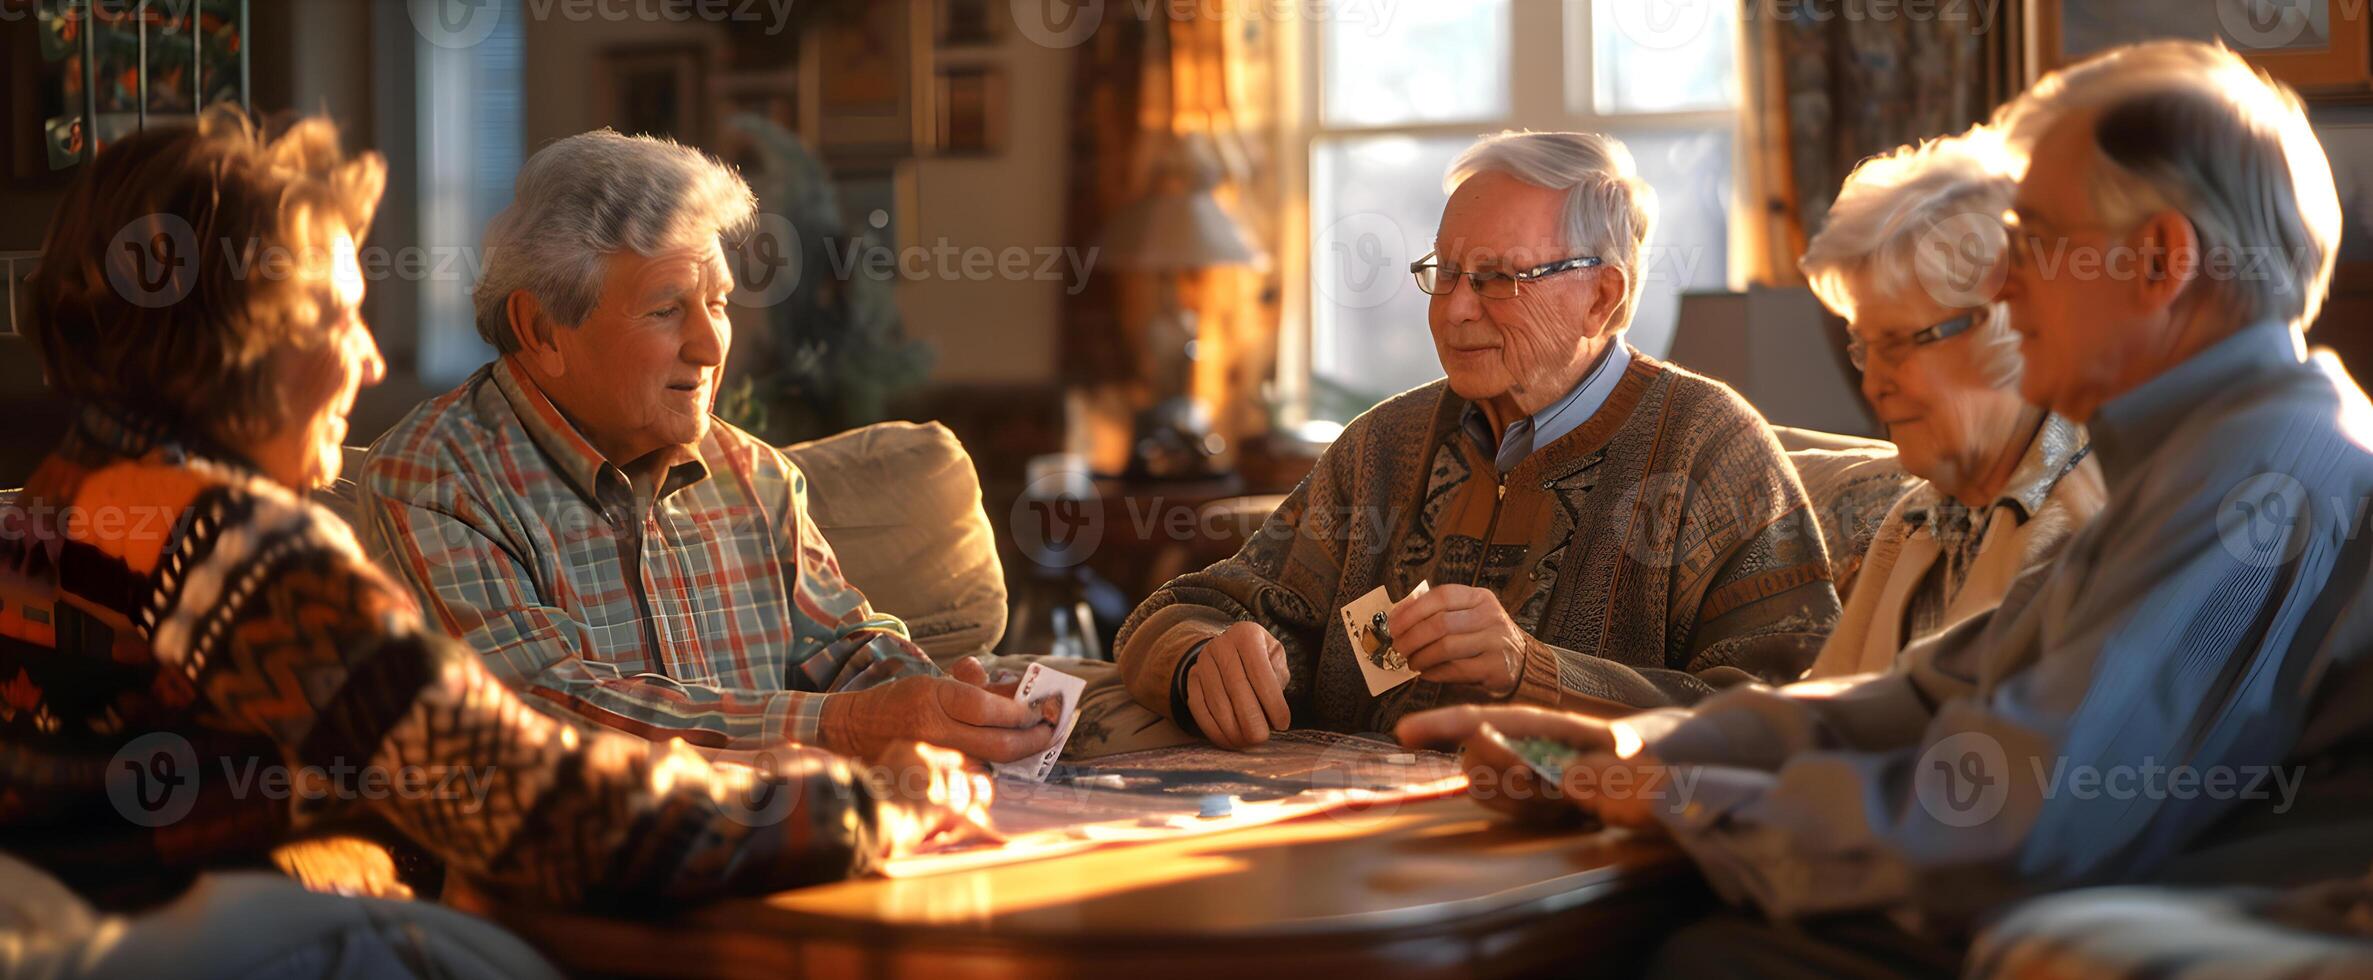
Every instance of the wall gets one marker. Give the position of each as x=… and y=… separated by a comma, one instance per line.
x=997, y=331
x=986, y=332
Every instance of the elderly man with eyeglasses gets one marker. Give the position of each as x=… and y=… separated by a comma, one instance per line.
x=1597, y=529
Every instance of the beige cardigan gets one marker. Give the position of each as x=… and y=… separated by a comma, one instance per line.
x=2030, y=520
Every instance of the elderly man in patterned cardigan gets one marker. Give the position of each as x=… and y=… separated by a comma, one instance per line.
x=1598, y=529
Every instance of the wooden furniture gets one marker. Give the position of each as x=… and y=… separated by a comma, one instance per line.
x=1433, y=889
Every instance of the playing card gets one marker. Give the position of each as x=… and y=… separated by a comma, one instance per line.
x=1056, y=695
x=1547, y=757
x=1384, y=667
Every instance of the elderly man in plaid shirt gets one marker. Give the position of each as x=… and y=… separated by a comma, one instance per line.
x=575, y=513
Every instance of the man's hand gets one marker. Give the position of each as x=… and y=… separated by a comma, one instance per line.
x=938, y=798
x=939, y=710
x=1236, y=689
x=1620, y=792
x=1458, y=634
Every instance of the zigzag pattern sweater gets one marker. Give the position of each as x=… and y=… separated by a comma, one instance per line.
x=196, y=665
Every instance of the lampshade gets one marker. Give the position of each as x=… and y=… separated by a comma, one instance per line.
x=1181, y=225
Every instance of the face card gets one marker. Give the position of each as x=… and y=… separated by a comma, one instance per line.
x=1054, y=695
x=1383, y=666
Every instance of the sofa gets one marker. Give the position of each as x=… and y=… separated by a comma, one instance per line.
x=900, y=503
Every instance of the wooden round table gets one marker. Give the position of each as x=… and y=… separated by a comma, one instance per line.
x=1432, y=889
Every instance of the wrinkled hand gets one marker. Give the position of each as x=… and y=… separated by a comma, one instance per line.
x=943, y=711
x=1620, y=792
x=938, y=798
x=1236, y=689
x=1458, y=634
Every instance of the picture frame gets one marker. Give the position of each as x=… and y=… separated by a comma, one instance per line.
x=2323, y=48
x=969, y=23
x=871, y=79
x=659, y=90
x=969, y=107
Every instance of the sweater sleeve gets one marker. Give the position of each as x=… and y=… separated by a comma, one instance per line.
x=1284, y=579
x=266, y=604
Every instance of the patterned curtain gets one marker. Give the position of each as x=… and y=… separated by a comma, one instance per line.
x=1827, y=91
x=1148, y=75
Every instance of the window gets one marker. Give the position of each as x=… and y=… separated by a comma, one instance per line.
x=470, y=145
x=1400, y=93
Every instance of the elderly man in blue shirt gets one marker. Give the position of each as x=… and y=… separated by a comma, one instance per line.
x=2177, y=695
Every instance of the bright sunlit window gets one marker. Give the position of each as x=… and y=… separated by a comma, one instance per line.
x=1401, y=89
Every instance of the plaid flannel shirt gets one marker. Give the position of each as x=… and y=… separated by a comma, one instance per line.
x=717, y=614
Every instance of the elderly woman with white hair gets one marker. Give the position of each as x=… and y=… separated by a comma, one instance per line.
x=1563, y=521
x=1907, y=254
x=575, y=513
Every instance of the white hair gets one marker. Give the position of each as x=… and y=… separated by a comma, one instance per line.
x=1924, y=219
x=592, y=195
x=2192, y=127
x=1609, y=209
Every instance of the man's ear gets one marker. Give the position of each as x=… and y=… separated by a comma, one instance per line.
x=1608, y=289
x=533, y=332
x=2170, y=258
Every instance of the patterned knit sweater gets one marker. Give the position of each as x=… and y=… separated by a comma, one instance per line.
x=198, y=665
x=1659, y=551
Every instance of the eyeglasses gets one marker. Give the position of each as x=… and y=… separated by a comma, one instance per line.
x=1894, y=349
x=1437, y=279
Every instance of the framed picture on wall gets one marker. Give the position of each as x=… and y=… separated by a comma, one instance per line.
x=660, y=90
x=970, y=105
x=970, y=23
x=872, y=78
x=2323, y=48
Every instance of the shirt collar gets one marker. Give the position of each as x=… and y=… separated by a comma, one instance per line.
x=2057, y=447
x=1567, y=413
x=583, y=466
x=2129, y=428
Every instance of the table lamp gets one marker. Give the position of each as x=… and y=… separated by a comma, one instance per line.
x=1181, y=227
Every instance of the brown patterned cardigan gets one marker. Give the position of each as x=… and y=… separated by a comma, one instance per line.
x=1658, y=552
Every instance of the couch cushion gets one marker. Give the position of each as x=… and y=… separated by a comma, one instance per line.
x=901, y=505
x=1852, y=483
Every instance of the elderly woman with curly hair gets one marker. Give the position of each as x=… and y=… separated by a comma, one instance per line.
x=1912, y=245
x=175, y=613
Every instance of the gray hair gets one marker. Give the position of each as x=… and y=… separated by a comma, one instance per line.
x=591, y=195
x=1609, y=209
x=2193, y=128
x=1924, y=220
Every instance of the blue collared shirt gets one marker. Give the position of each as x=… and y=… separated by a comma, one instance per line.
x=2163, y=694
x=1553, y=421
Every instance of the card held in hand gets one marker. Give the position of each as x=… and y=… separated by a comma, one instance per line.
x=1054, y=696
x=1384, y=667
